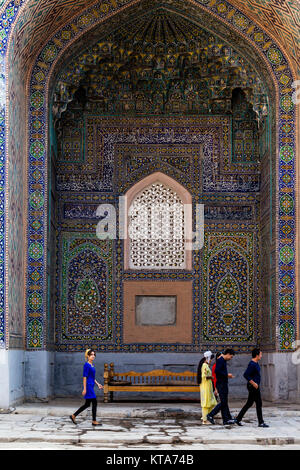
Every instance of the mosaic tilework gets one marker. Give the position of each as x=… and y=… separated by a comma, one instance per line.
x=280, y=18
x=2, y=183
x=85, y=306
x=287, y=118
x=12, y=333
x=38, y=18
x=286, y=175
x=42, y=17
x=245, y=140
x=9, y=171
x=183, y=70
x=278, y=63
x=228, y=286
x=149, y=152
x=99, y=160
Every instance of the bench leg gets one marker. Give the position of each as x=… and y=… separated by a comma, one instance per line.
x=105, y=397
x=111, y=396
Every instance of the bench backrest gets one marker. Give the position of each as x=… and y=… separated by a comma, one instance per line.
x=155, y=377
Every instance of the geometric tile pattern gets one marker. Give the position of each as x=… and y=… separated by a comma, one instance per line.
x=280, y=18
x=229, y=286
x=77, y=218
x=84, y=310
x=42, y=17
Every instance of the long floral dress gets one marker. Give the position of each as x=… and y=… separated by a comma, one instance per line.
x=207, y=397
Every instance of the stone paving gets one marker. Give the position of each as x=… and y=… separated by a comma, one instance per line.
x=139, y=426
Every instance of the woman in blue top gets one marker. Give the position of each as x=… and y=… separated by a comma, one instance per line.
x=89, y=381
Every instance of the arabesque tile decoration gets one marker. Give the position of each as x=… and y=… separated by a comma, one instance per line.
x=37, y=161
x=132, y=148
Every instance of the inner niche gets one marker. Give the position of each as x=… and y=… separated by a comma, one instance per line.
x=163, y=94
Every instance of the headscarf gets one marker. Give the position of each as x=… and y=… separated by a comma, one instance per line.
x=208, y=356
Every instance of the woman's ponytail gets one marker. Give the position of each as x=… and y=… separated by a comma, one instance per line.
x=87, y=353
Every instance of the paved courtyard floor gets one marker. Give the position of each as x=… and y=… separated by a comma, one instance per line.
x=145, y=426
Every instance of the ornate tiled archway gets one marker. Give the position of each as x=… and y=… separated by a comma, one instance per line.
x=263, y=50
x=275, y=61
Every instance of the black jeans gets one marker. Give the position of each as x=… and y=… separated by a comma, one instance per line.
x=254, y=396
x=223, y=405
x=88, y=401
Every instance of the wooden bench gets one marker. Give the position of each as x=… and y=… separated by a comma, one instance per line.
x=158, y=380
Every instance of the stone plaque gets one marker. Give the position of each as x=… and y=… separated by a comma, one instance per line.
x=155, y=310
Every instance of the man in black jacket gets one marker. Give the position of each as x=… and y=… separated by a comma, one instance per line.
x=222, y=388
x=252, y=375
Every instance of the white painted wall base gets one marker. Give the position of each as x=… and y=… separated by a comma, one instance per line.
x=12, y=372
x=281, y=377
x=4, y=379
x=39, y=375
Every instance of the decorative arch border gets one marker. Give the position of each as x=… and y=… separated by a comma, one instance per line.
x=9, y=12
x=37, y=152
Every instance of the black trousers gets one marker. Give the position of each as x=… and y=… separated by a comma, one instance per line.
x=223, y=405
x=254, y=396
x=88, y=401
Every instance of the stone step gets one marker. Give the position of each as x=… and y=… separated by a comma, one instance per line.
x=144, y=410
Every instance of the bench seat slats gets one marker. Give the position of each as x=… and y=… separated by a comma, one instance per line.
x=155, y=388
x=163, y=384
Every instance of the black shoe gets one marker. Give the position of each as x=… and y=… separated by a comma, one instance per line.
x=71, y=417
x=230, y=421
x=238, y=422
x=210, y=419
x=263, y=425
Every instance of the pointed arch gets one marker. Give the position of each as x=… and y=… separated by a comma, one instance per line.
x=259, y=47
x=278, y=65
x=180, y=197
